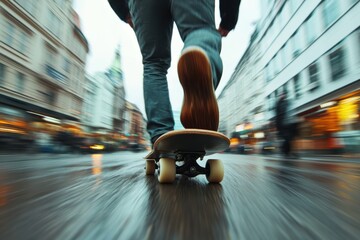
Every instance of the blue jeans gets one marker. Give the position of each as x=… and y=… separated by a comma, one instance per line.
x=153, y=24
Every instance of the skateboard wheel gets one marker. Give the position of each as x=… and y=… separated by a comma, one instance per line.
x=150, y=167
x=216, y=171
x=167, y=170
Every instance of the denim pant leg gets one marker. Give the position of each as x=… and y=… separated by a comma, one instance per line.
x=153, y=27
x=196, y=23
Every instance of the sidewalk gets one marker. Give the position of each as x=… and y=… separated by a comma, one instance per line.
x=355, y=157
x=31, y=154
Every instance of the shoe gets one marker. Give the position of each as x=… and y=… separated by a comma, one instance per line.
x=200, y=109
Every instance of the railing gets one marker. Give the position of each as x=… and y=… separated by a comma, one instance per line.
x=55, y=74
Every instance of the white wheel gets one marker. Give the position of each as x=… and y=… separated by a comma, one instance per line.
x=167, y=170
x=150, y=167
x=216, y=171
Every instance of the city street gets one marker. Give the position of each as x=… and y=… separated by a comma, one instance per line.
x=110, y=197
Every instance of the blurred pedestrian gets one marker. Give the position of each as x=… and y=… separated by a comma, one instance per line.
x=286, y=125
x=199, y=66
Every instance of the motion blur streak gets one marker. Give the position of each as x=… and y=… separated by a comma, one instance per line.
x=109, y=197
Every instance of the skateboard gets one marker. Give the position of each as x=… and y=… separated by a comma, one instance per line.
x=177, y=152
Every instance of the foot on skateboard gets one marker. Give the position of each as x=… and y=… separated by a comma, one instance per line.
x=200, y=109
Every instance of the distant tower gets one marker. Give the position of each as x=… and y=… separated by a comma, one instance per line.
x=115, y=74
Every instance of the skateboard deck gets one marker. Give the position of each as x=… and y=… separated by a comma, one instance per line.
x=187, y=146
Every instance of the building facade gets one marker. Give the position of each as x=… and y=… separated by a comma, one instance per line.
x=311, y=51
x=42, y=58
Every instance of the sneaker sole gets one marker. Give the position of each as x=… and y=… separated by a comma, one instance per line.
x=200, y=109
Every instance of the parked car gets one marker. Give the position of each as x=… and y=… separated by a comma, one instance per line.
x=136, y=147
x=266, y=147
x=92, y=145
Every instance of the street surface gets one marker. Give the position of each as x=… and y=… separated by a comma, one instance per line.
x=109, y=197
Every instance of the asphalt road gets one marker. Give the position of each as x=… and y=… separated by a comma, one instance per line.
x=110, y=197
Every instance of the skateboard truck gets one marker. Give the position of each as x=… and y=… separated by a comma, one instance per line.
x=190, y=167
x=188, y=156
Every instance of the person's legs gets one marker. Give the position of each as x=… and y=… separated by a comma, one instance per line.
x=286, y=146
x=153, y=26
x=196, y=24
x=200, y=65
x=287, y=140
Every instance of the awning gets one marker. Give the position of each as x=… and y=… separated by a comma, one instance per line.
x=26, y=106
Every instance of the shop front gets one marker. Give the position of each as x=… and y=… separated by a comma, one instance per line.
x=332, y=127
x=24, y=125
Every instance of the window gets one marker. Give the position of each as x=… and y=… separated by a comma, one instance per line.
x=9, y=33
x=59, y=2
x=296, y=44
x=29, y=5
x=67, y=65
x=2, y=74
x=337, y=64
x=50, y=97
x=292, y=47
x=274, y=97
x=54, y=24
x=287, y=52
x=313, y=76
x=268, y=103
x=15, y=37
x=271, y=101
x=267, y=74
x=20, y=82
x=23, y=43
x=275, y=61
x=285, y=89
x=51, y=57
x=297, y=86
x=330, y=11
x=310, y=29
x=282, y=58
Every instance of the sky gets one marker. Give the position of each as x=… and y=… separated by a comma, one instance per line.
x=105, y=32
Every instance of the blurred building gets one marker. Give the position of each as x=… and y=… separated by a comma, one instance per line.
x=42, y=59
x=135, y=124
x=97, y=107
x=104, y=100
x=241, y=103
x=91, y=87
x=178, y=125
x=311, y=51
